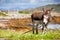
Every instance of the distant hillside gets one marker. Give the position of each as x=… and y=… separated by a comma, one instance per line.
x=55, y=6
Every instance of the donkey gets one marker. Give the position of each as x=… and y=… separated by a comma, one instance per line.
x=44, y=17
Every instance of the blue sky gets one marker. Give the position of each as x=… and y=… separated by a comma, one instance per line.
x=24, y=4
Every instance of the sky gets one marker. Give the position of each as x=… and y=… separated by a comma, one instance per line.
x=24, y=4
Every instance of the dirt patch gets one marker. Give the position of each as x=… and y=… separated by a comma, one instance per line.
x=21, y=25
x=18, y=25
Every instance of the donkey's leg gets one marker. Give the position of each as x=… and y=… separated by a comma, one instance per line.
x=46, y=27
x=43, y=28
x=33, y=28
x=37, y=29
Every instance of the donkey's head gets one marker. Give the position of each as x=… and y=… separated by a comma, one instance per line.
x=47, y=15
x=48, y=11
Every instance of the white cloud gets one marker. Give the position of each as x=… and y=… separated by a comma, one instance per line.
x=33, y=1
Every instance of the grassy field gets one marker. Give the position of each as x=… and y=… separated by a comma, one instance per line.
x=50, y=35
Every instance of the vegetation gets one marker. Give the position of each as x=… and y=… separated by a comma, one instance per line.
x=50, y=35
x=24, y=12
x=20, y=11
x=2, y=14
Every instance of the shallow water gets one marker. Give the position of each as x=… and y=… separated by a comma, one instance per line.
x=54, y=26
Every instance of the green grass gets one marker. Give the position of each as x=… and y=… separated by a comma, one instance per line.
x=2, y=14
x=22, y=12
x=54, y=35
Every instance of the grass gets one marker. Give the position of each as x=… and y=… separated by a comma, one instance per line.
x=24, y=12
x=2, y=14
x=54, y=35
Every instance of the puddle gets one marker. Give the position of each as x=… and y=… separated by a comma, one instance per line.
x=54, y=26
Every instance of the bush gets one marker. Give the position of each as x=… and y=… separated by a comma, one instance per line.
x=2, y=14
x=24, y=12
x=20, y=11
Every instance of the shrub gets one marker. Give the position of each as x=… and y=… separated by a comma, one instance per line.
x=2, y=14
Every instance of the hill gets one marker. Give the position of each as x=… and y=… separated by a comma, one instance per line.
x=55, y=6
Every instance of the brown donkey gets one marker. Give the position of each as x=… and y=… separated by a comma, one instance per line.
x=43, y=16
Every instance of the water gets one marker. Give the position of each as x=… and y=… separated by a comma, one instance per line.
x=51, y=26
x=54, y=26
